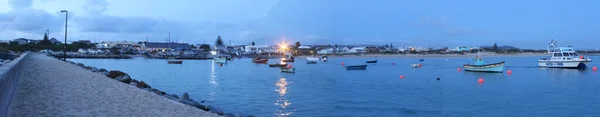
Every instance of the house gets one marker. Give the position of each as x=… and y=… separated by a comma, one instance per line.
x=21, y=41
x=342, y=50
x=305, y=50
x=160, y=46
x=253, y=49
x=34, y=41
x=85, y=41
x=357, y=50
x=325, y=51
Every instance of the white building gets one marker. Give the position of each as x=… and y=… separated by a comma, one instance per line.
x=325, y=51
x=357, y=50
x=251, y=49
x=21, y=41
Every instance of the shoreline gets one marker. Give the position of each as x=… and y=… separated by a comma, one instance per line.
x=470, y=55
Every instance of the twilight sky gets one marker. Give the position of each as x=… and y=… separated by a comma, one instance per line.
x=524, y=24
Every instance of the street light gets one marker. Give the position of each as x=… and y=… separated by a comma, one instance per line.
x=65, y=45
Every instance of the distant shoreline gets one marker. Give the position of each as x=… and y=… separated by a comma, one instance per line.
x=470, y=55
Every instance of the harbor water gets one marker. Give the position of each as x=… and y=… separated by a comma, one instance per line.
x=327, y=89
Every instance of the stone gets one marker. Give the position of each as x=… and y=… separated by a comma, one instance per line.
x=185, y=96
x=124, y=78
x=88, y=67
x=7, y=61
x=230, y=115
x=147, y=89
x=171, y=97
x=104, y=73
x=216, y=110
x=134, y=80
x=72, y=62
x=133, y=83
x=142, y=84
x=102, y=70
x=250, y=116
x=7, y=55
x=115, y=73
x=94, y=69
x=158, y=92
x=80, y=65
x=194, y=104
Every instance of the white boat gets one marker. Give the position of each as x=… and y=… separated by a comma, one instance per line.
x=563, y=57
x=415, y=65
x=312, y=59
x=220, y=60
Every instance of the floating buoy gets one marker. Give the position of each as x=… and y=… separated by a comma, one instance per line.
x=458, y=69
x=438, y=78
x=480, y=80
x=508, y=71
x=393, y=63
x=221, y=64
x=401, y=76
x=289, y=66
x=420, y=65
x=594, y=68
x=342, y=63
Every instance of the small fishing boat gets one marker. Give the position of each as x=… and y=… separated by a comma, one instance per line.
x=324, y=58
x=175, y=62
x=278, y=65
x=287, y=60
x=373, y=61
x=311, y=62
x=312, y=59
x=220, y=60
x=257, y=60
x=416, y=65
x=356, y=67
x=479, y=66
x=287, y=70
x=421, y=59
x=563, y=57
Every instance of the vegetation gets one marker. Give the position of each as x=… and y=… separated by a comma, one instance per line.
x=495, y=48
x=297, y=44
x=205, y=47
x=219, y=41
x=253, y=43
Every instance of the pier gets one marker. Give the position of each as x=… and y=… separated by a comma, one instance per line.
x=37, y=85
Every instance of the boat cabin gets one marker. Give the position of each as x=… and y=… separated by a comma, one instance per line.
x=563, y=53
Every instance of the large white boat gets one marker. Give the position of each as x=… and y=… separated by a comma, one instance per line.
x=563, y=57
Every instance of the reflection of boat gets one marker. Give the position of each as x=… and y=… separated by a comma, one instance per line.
x=278, y=65
x=257, y=60
x=356, y=67
x=311, y=62
x=175, y=62
x=373, y=61
x=287, y=70
x=563, y=57
x=480, y=67
x=324, y=58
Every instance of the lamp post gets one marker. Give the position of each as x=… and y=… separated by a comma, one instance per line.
x=65, y=45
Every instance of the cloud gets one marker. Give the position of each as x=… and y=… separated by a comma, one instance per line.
x=449, y=29
x=18, y=4
x=30, y=21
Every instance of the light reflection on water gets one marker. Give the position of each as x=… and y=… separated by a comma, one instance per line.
x=282, y=101
x=213, y=82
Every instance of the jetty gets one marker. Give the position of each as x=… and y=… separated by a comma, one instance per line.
x=38, y=85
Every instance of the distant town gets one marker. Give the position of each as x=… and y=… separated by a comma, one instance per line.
x=162, y=49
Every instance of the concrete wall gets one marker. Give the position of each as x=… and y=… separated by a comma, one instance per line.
x=9, y=80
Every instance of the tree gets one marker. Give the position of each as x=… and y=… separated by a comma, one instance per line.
x=391, y=45
x=205, y=47
x=219, y=41
x=115, y=50
x=253, y=43
x=495, y=48
x=45, y=41
x=386, y=45
x=297, y=44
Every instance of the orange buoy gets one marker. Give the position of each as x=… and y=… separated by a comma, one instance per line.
x=342, y=63
x=480, y=80
x=458, y=69
x=289, y=66
x=508, y=71
x=420, y=65
x=594, y=68
x=221, y=64
x=401, y=76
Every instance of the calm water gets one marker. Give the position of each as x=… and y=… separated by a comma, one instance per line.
x=327, y=89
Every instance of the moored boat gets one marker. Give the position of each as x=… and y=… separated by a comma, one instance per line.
x=563, y=57
x=416, y=65
x=278, y=65
x=175, y=62
x=356, y=67
x=480, y=67
x=287, y=60
x=220, y=60
x=311, y=62
x=372, y=61
x=324, y=58
x=312, y=59
x=287, y=70
x=260, y=60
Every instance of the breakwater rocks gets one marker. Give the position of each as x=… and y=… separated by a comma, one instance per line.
x=93, y=56
x=6, y=57
x=184, y=98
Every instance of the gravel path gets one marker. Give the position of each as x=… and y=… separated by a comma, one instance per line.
x=49, y=87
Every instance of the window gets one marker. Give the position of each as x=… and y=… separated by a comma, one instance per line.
x=571, y=54
x=565, y=54
x=557, y=55
x=575, y=54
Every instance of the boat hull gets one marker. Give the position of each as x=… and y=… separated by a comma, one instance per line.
x=220, y=60
x=495, y=67
x=175, y=62
x=287, y=60
x=564, y=64
x=288, y=70
x=356, y=67
x=277, y=65
x=371, y=61
x=260, y=61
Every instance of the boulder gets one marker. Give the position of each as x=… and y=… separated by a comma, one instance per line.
x=230, y=115
x=171, y=97
x=80, y=65
x=102, y=70
x=142, y=84
x=88, y=67
x=104, y=73
x=134, y=80
x=7, y=61
x=147, y=89
x=185, y=96
x=133, y=83
x=158, y=92
x=72, y=62
x=216, y=110
x=115, y=73
x=194, y=104
x=250, y=116
x=94, y=69
x=124, y=78
x=7, y=55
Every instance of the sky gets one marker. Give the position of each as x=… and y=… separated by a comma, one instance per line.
x=433, y=23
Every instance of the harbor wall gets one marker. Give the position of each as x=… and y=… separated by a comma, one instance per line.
x=9, y=80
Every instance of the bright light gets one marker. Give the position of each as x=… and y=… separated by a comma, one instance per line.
x=213, y=52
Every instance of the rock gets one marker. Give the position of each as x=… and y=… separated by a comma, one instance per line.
x=147, y=89
x=185, y=96
x=250, y=116
x=7, y=61
x=124, y=78
x=88, y=67
x=171, y=97
x=134, y=80
x=94, y=69
x=80, y=65
x=105, y=73
x=216, y=110
x=230, y=115
x=194, y=104
x=72, y=62
x=133, y=83
x=102, y=70
x=7, y=55
x=158, y=92
x=142, y=84
x=115, y=73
